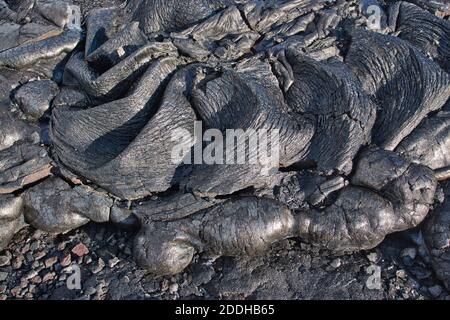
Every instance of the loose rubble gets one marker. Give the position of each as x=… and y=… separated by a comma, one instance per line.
x=288, y=270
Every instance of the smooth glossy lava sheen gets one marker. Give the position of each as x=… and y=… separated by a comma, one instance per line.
x=362, y=114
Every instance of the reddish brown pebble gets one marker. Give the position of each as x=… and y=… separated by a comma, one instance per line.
x=29, y=296
x=80, y=250
x=66, y=260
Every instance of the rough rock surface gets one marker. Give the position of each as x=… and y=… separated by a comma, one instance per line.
x=353, y=104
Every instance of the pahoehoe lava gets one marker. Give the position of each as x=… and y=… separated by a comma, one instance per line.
x=362, y=111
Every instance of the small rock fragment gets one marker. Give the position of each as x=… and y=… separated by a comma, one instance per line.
x=39, y=255
x=409, y=252
x=50, y=261
x=113, y=262
x=31, y=274
x=98, y=266
x=5, y=259
x=3, y=276
x=17, y=262
x=80, y=250
x=435, y=290
x=173, y=288
x=336, y=263
x=373, y=257
x=48, y=277
x=66, y=260
x=401, y=274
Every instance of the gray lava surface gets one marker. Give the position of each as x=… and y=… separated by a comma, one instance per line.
x=370, y=219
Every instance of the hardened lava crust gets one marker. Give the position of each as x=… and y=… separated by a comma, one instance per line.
x=358, y=91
